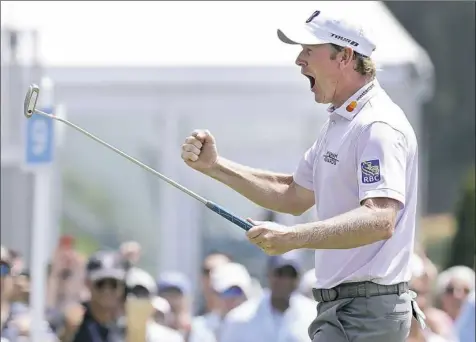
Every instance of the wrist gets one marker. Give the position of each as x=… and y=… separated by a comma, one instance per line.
x=297, y=237
x=213, y=170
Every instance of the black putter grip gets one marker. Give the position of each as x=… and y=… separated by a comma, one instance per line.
x=229, y=216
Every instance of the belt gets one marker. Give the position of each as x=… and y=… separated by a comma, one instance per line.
x=358, y=289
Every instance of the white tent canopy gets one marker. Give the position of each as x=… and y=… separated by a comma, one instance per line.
x=162, y=33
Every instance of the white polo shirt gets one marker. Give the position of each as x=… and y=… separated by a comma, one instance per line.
x=367, y=148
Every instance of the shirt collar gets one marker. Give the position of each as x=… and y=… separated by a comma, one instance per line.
x=356, y=102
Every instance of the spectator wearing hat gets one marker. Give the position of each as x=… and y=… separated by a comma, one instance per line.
x=453, y=287
x=106, y=275
x=210, y=299
x=15, y=319
x=175, y=287
x=140, y=284
x=232, y=285
x=158, y=330
x=281, y=314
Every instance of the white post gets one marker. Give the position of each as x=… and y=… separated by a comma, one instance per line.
x=40, y=147
x=39, y=250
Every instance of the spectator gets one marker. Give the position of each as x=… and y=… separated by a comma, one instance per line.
x=161, y=311
x=453, y=286
x=131, y=251
x=280, y=315
x=211, y=301
x=21, y=288
x=438, y=324
x=465, y=323
x=233, y=286
x=142, y=285
x=15, y=319
x=66, y=290
x=161, y=316
x=176, y=289
x=106, y=273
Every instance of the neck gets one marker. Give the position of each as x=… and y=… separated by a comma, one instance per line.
x=101, y=315
x=346, y=91
x=280, y=304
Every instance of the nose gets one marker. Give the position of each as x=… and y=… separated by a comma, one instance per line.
x=300, y=62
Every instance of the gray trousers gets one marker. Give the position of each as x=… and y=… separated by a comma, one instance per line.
x=382, y=318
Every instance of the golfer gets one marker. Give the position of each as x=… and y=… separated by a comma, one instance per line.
x=361, y=174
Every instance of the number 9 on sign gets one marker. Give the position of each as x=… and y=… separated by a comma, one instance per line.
x=39, y=140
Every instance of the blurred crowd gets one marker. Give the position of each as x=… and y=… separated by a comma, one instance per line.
x=107, y=297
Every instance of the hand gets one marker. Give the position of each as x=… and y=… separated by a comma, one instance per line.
x=59, y=262
x=272, y=238
x=199, y=150
x=74, y=314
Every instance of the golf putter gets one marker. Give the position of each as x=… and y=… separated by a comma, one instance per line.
x=29, y=110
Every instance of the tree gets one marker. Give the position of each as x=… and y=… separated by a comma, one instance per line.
x=463, y=249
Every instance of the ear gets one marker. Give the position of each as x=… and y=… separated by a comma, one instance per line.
x=346, y=57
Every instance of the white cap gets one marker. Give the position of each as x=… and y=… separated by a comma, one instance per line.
x=323, y=29
x=229, y=275
x=160, y=304
x=138, y=277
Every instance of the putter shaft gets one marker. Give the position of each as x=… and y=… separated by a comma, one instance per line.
x=135, y=161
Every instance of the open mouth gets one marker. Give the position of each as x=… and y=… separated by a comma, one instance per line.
x=312, y=81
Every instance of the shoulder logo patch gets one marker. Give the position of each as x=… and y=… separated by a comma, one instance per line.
x=370, y=171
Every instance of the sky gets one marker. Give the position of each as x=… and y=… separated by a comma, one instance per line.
x=162, y=33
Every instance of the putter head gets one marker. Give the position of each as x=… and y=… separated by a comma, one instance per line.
x=30, y=100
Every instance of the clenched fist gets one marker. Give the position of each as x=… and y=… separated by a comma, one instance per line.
x=199, y=150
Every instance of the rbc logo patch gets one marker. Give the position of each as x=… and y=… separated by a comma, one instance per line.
x=370, y=171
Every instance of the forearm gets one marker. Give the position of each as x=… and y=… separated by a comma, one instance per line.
x=355, y=228
x=266, y=189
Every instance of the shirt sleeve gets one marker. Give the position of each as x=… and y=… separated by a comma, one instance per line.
x=303, y=175
x=381, y=163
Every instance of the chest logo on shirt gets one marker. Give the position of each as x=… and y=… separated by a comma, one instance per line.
x=370, y=171
x=331, y=158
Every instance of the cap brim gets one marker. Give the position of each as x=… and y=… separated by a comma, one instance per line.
x=298, y=35
x=108, y=274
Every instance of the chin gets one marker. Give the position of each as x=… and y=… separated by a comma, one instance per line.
x=319, y=99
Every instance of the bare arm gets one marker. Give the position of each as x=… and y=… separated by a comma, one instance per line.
x=274, y=191
x=373, y=221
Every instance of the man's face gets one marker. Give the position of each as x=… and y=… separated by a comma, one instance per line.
x=454, y=296
x=108, y=293
x=324, y=72
x=176, y=299
x=22, y=286
x=283, y=282
x=231, y=299
x=211, y=262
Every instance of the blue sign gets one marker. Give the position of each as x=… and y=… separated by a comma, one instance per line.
x=39, y=140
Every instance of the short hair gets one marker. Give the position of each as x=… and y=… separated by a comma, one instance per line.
x=364, y=65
